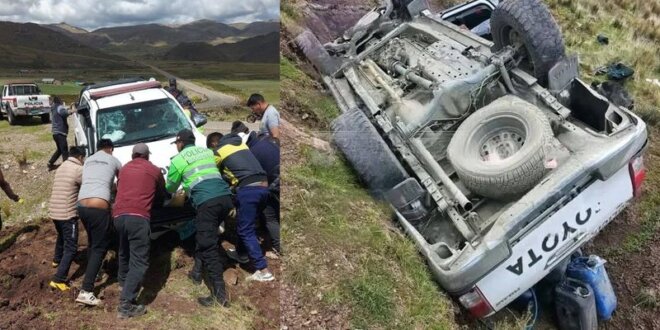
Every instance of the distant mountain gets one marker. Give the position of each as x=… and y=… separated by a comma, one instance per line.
x=140, y=40
x=260, y=49
x=28, y=45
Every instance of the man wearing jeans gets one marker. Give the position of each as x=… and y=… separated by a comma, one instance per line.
x=194, y=167
x=62, y=209
x=140, y=185
x=98, y=176
x=244, y=172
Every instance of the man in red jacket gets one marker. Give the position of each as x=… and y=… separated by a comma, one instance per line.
x=140, y=183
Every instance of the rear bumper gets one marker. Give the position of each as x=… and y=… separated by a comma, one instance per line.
x=31, y=111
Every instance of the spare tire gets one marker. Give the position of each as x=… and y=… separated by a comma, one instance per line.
x=498, y=152
x=528, y=23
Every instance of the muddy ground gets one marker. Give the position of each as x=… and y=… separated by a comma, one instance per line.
x=635, y=276
x=27, y=302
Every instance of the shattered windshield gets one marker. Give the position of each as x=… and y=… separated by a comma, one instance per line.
x=141, y=122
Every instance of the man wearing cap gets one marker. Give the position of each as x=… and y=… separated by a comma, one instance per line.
x=98, y=175
x=139, y=187
x=195, y=168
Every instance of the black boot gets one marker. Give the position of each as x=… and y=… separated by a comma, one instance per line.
x=218, y=295
x=195, y=277
x=127, y=309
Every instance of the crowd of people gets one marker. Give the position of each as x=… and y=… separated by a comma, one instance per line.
x=237, y=170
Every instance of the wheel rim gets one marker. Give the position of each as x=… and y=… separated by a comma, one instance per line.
x=501, y=144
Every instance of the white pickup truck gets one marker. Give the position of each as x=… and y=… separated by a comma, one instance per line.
x=129, y=112
x=24, y=99
x=498, y=161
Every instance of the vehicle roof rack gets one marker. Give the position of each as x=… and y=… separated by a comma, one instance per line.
x=109, y=83
x=142, y=85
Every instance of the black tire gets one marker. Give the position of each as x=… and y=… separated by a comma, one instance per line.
x=11, y=118
x=367, y=152
x=530, y=22
x=316, y=53
x=498, y=152
x=45, y=118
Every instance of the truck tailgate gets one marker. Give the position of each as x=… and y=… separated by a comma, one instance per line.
x=535, y=254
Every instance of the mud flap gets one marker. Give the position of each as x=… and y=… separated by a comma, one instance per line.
x=365, y=149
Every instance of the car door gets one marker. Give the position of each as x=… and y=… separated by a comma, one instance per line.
x=82, y=128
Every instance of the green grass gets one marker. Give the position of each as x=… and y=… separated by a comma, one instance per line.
x=341, y=243
x=215, y=70
x=300, y=95
x=270, y=89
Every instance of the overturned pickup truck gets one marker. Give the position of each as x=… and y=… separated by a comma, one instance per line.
x=498, y=160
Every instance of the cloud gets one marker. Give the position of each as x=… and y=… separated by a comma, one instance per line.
x=102, y=13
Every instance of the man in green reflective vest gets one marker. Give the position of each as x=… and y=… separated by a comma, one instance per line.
x=195, y=167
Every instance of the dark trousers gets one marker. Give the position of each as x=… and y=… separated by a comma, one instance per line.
x=271, y=216
x=209, y=216
x=251, y=202
x=65, y=247
x=133, y=258
x=62, y=148
x=97, y=225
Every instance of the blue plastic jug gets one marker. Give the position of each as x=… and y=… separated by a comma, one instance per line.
x=591, y=270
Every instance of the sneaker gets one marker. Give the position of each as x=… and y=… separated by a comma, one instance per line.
x=52, y=167
x=128, y=310
x=87, y=298
x=241, y=258
x=59, y=286
x=54, y=264
x=261, y=276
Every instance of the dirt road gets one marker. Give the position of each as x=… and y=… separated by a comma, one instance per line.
x=212, y=99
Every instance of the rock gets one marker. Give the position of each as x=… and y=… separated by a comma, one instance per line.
x=24, y=172
x=6, y=167
x=314, y=312
x=32, y=167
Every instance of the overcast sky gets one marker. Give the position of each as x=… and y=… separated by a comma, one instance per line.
x=93, y=14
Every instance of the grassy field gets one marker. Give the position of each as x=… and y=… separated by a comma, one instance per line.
x=215, y=70
x=270, y=89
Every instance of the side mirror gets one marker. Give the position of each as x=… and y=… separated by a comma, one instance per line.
x=199, y=120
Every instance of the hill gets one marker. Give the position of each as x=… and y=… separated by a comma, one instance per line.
x=31, y=46
x=260, y=49
x=149, y=39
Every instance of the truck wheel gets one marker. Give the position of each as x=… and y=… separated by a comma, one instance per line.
x=316, y=54
x=498, y=152
x=529, y=24
x=367, y=152
x=11, y=118
x=45, y=118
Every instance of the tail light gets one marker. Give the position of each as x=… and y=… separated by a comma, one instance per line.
x=475, y=302
x=637, y=173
